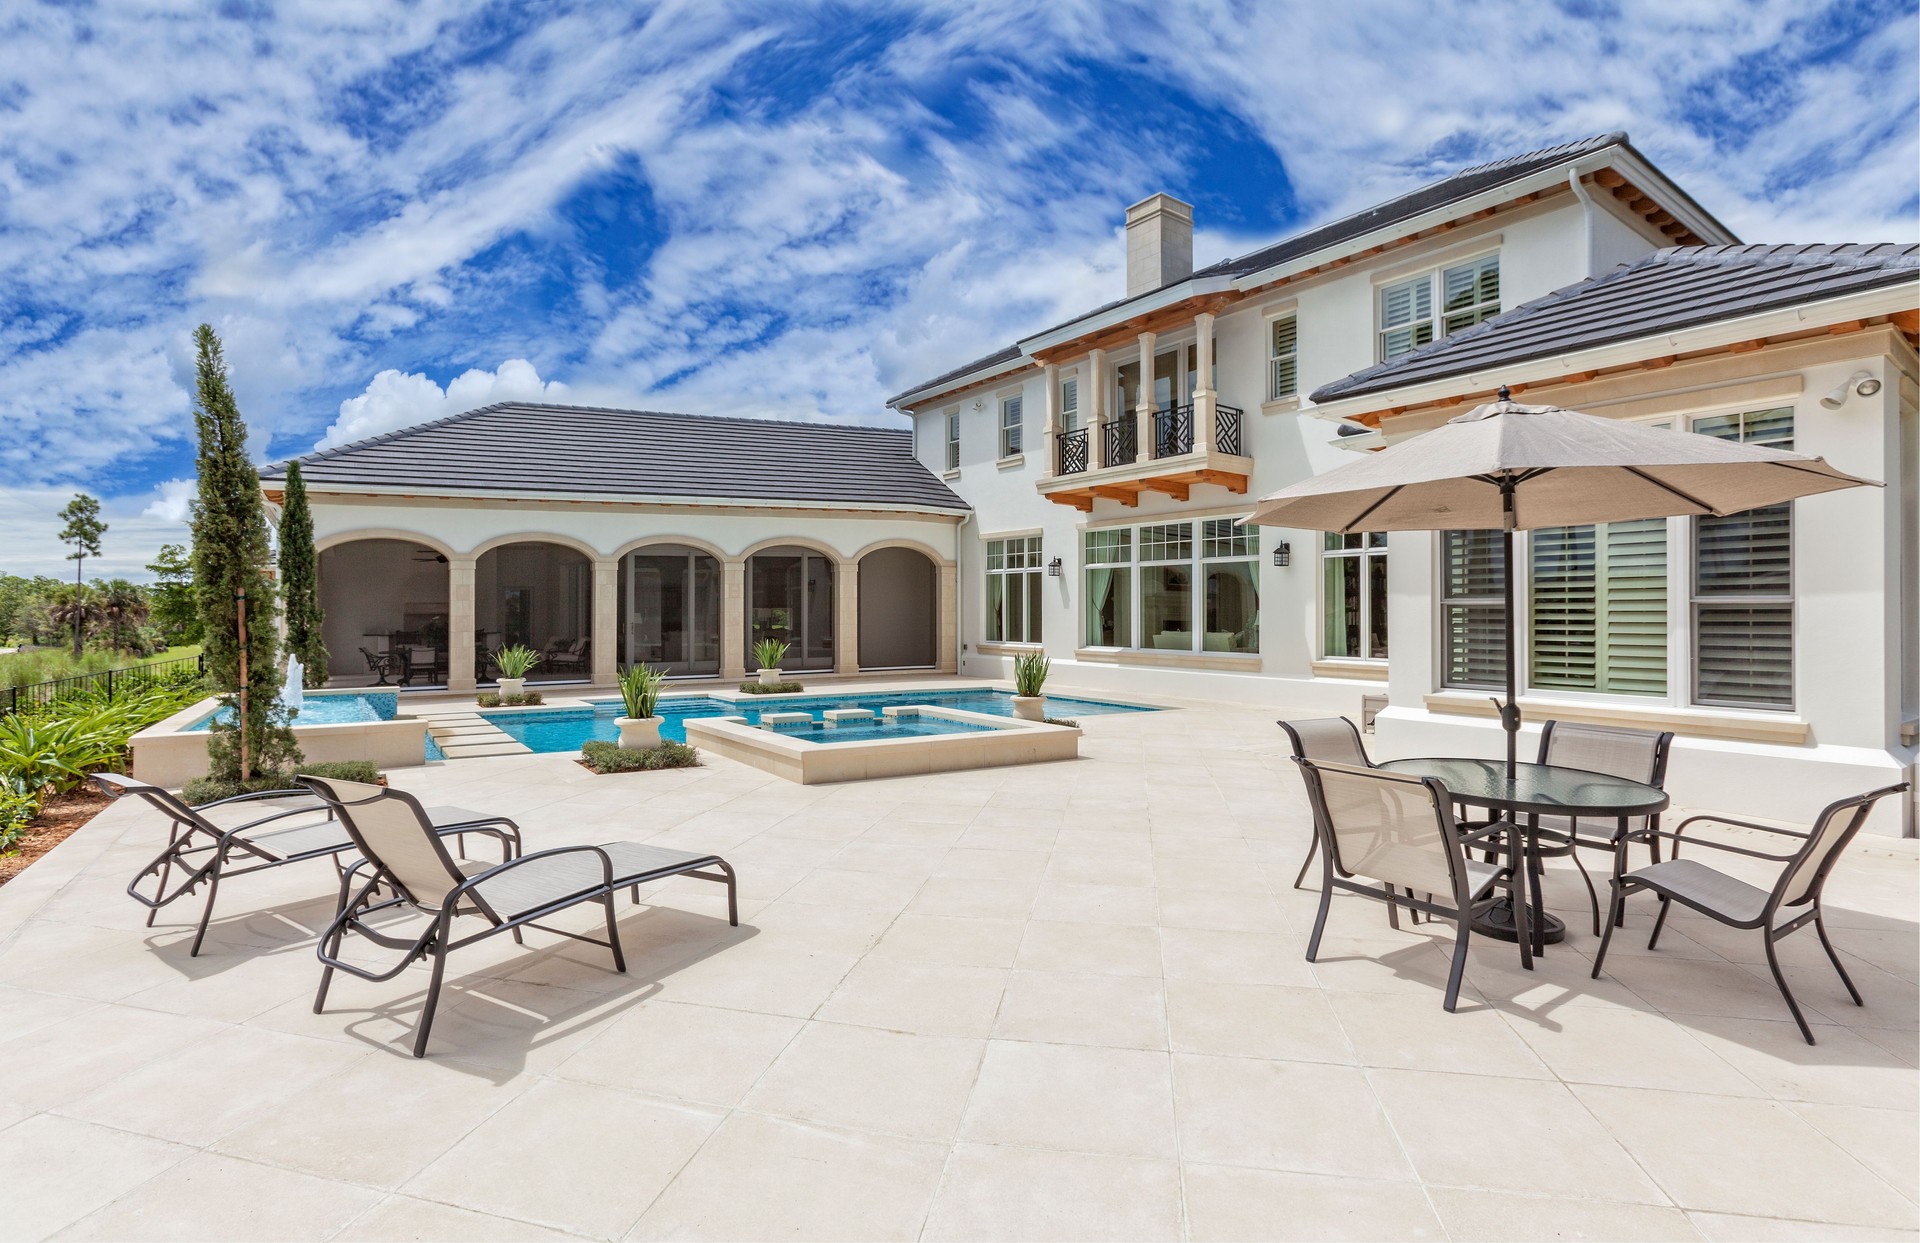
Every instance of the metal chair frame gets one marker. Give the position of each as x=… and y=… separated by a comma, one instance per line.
x=1300, y=753
x=1550, y=845
x=227, y=852
x=1626, y=883
x=465, y=898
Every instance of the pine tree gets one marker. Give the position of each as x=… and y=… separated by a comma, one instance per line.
x=299, y=585
x=230, y=561
x=83, y=531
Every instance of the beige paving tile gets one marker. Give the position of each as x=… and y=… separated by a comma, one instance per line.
x=1725, y=1154
x=761, y=975
x=869, y=1080
x=211, y=1197
x=1491, y=1215
x=1064, y=1008
x=60, y=1170
x=892, y=858
x=930, y=998
x=978, y=897
x=1236, y=1205
x=1886, y=1141
x=1223, y=910
x=403, y=1217
x=1231, y=957
x=23, y=1011
x=831, y=929
x=855, y=890
x=1414, y=1033
x=64, y=1060
x=603, y=1156
x=1074, y=1097
x=1099, y=867
x=765, y=1178
x=1063, y=901
x=688, y=1052
x=1545, y=1131
x=1097, y=949
x=994, y=864
x=1844, y=1068
x=1733, y=1228
x=1020, y=1193
x=1628, y=1048
x=1301, y=1116
x=951, y=939
x=1254, y=1020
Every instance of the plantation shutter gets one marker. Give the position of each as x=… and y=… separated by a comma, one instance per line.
x=1600, y=608
x=1406, y=316
x=1565, y=651
x=1634, y=611
x=1283, y=358
x=1476, y=624
x=1743, y=585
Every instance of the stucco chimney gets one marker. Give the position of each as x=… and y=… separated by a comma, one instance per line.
x=1159, y=243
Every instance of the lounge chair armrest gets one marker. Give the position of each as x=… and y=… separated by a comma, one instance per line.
x=1646, y=835
x=1739, y=824
x=300, y=791
x=465, y=886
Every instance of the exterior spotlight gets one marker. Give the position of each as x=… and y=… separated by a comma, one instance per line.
x=1862, y=382
x=1053, y=568
x=1283, y=554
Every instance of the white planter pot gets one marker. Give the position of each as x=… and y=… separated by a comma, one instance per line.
x=512, y=686
x=638, y=733
x=771, y=677
x=1030, y=707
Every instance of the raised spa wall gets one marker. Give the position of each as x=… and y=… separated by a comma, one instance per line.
x=999, y=741
x=172, y=753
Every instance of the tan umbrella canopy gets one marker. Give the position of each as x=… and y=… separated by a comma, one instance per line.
x=1506, y=466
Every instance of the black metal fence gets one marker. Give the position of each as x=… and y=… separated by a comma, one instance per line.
x=108, y=683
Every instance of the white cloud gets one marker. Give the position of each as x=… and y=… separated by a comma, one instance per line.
x=172, y=501
x=136, y=527
x=401, y=399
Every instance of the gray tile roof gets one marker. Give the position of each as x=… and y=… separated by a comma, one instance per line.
x=1679, y=287
x=525, y=447
x=1462, y=185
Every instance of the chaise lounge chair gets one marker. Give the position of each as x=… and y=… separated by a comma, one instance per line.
x=406, y=859
x=204, y=846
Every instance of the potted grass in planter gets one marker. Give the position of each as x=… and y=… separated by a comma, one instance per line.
x=1029, y=675
x=640, y=691
x=514, y=662
x=768, y=653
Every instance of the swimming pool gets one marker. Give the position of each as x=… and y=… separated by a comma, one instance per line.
x=321, y=709
x=565, y=729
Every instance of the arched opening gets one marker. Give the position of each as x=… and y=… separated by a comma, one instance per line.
x=790, y=598
x=899, y=622
x=386, y=613
x=670, y=609
x=539, y=595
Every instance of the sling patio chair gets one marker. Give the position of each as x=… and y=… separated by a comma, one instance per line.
x=406, y=868
x=205, y=847
x=1727, y=899
x=1399, y=831
x=1332, y=739
x=1636, y=754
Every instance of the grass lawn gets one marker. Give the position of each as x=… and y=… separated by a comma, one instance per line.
x=46, y=664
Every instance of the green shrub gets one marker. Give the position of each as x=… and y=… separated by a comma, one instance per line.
x=515, y=661
x=494, y=699
x=18, y=807
x=1030, y=673
x=50, y=749
x=640, y=690
x=1061, y=720
x=768, y=653
x=607, y=757
x=778, y=688
x=203, y=790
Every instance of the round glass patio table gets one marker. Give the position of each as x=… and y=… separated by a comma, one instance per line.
x=1532, y=790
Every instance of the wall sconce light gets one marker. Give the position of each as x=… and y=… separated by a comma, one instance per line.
x=1861, y=382
x=1053, y=568
x=1283, y=554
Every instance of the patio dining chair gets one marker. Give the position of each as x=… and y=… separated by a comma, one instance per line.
x=205, y=847
x=1795, y=893
x=1328, y=738
x=1399, y=831
x=406, y=868
x=1636, y=754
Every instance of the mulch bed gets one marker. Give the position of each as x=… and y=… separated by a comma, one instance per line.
x=60, y=817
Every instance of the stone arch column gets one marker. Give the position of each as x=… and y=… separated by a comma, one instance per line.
x=461, y=675
x=606, y=621
x=733, y=619
x=846, y=619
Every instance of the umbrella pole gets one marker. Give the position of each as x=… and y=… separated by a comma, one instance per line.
x=1510, y=711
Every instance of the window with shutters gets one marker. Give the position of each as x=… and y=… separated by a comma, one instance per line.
x=1015, y=575
x=1070, y=403
x=953, y=439
x=1011, y=413
x=1417, y=311
x=1743, y=585
x=1473, y=610
x=1283, y=357
x=1599, y=615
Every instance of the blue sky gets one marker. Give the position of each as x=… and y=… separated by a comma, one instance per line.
x=394, y=212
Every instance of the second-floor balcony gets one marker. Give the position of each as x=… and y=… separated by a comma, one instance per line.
x=1120, y=458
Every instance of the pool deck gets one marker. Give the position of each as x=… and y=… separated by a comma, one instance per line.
x=1062, y=1000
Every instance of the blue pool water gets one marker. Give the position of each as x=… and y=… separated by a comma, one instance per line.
x=565, y=729
x=331, y=710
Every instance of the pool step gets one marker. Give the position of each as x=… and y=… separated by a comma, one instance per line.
x=468, y=735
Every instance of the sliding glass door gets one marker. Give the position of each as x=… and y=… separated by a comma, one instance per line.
x=790, y=599
x=673, y=610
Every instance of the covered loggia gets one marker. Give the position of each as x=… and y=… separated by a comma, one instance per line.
x=386, y=605
x=539, y=594
x=899, y=618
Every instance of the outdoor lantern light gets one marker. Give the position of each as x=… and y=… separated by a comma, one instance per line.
x=1283, y=554
x=1053, y=568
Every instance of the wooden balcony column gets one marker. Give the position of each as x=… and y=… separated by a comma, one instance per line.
x=1143, y=411
x=1203, y=394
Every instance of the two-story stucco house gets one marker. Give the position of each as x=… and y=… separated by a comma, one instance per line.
x=1109, y=459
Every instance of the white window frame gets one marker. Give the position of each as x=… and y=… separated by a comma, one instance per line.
x=1021, y=558
x=1196, y=562
x=1683, y=603
x=952, y=417
x=1437, y=315
x=1275, y=390
x=1069, y=413
x=1364, y=555
x=1016, y=445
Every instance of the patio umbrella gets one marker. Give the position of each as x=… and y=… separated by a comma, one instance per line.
x=1508, y=467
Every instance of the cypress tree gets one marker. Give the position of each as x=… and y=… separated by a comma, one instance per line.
x=299, y=584
x=231, y=557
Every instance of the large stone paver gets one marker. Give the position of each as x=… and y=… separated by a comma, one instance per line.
x=1061, y=1001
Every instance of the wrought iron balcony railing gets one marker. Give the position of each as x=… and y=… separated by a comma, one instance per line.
x=1173, y=431
x=1074, y=446
x=1121, y=443
x=1227, y=421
